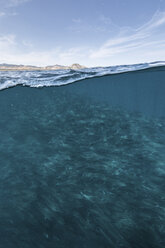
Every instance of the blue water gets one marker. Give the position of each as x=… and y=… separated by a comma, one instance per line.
x=83, y=164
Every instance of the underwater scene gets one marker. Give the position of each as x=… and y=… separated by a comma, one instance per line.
x=82, y=162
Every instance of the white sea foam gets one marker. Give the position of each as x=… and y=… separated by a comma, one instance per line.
x=62, y=77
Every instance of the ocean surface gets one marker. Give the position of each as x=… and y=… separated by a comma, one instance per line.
x=82, y=165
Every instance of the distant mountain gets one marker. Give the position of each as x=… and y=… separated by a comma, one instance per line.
x=13, y=67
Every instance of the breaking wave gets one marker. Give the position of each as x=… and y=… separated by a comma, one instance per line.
x=62, y=77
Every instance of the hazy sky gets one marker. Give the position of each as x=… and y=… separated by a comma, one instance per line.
x=89, y=32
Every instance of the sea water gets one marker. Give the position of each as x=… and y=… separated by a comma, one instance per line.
x=82, y=165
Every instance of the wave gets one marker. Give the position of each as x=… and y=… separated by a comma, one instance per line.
x=62, y=77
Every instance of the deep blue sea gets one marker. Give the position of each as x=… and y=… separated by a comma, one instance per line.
x=82, y=158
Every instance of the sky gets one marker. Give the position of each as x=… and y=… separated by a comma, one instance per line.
x=88, y=32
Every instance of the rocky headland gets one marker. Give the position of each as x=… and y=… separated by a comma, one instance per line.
x=12, y=67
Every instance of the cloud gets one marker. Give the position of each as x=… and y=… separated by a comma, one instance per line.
x=145, y=43
x=6, y=41
x=71, y=53
x=8, y=5
x=130, y=40
x=12, y=3
x=12, y=51
x=157, y=20
x=106, y=20
x=27, y=44
x=76, y=20
x=101, y=24
x=6, y=14
x=2, y=14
